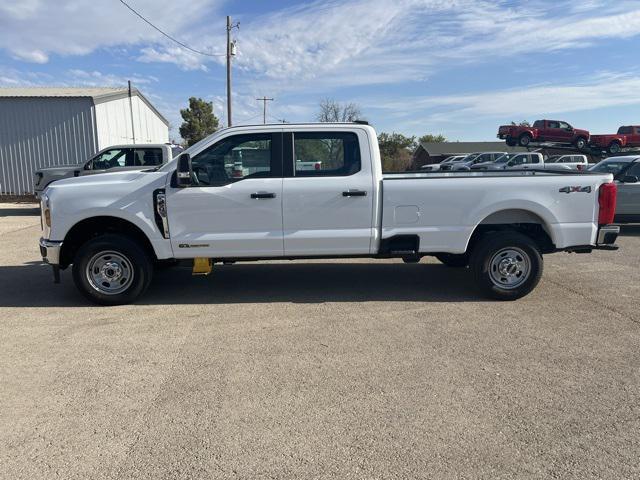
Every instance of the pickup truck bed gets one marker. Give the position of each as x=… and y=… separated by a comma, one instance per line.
x=112, y=227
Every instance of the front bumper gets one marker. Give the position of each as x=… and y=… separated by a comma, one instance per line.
x=50, y=251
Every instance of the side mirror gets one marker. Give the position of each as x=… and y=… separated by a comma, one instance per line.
x=630, y=179
x=184, y=171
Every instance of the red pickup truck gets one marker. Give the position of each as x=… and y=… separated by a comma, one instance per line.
x=543, y=131
x=627, y=136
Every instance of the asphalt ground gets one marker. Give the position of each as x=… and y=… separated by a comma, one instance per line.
x=325, y=369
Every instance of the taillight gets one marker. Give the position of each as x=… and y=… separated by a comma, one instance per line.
x=580, y=167
x=317, y=166
x=607, y=201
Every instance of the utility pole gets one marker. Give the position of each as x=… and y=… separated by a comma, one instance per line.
x=231, y=51
x=133, y=128
x=264, y=101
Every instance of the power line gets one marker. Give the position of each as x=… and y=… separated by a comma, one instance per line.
x=183, y=45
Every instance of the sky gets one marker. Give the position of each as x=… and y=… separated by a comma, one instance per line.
x=454, y=67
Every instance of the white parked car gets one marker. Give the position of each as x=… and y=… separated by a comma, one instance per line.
x=111, y=228
x=434, y=167
x=111, y=159
x=575, y=162
x=521, y=161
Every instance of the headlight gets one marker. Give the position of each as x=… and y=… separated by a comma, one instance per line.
x=45, y=206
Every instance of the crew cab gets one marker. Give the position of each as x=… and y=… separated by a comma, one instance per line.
x=112, y=228
x=114, y=158
x=555, y=131
x=627, y=137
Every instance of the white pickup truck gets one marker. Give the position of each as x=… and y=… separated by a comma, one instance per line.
x=113, y=227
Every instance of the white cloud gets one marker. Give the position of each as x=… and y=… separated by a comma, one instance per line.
x=32, y=30
x=608, y=90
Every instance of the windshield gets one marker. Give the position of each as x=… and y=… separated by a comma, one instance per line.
x=609, y=166
x=468, y=158
x=504, y=158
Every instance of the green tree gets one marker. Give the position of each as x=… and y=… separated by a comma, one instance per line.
x=396, y=151
x=428, y=138
x=199, y=121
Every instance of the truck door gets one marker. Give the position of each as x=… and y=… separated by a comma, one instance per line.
x=327, y=210
x=233, y=209
x=553, y=132
x=628, y=199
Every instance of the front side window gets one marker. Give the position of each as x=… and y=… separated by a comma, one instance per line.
x=518, y=160
x=232, y=159
x=326, y=154
x=116, y=157
x=634, y=170
x=535, y=159
x=565, y=125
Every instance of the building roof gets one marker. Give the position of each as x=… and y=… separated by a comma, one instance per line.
x=450, y=148
x=97, y=94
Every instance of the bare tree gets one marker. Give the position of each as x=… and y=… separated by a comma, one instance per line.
x=332, y=111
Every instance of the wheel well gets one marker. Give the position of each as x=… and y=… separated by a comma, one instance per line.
x=516, y=220
x=89, y=228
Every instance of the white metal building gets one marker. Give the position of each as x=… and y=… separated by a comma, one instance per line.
x=46, y=127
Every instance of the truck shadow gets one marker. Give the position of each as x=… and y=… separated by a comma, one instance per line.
x=20, y=212
x=632, y=230
x=30, y=285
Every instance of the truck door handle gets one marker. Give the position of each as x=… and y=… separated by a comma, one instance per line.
x=354, y=193
x=263, y=195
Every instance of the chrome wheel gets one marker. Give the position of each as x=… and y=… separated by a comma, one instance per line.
x=509, y=268
x=109, y=272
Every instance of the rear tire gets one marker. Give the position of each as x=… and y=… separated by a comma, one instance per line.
x=112, y=270
x=580, y=143
x=506, y=265
x=454, y=260
x=524, y=140
x=614, y=147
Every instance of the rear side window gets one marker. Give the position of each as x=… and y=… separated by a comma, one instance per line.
x=554, y=125
x=147, y=157
x=326, y=154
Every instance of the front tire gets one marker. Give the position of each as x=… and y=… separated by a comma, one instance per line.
x=506, y=265
x=511, y=142
x=580, y=143
x=614, y=147
x=112, y=270
x=524, y=140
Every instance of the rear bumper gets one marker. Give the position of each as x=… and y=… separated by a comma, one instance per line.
x=50, y=251
x=607, y=235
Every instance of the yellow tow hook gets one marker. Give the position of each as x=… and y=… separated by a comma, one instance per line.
x=202, y=266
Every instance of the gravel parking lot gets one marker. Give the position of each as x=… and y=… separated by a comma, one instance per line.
x=327, y=369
